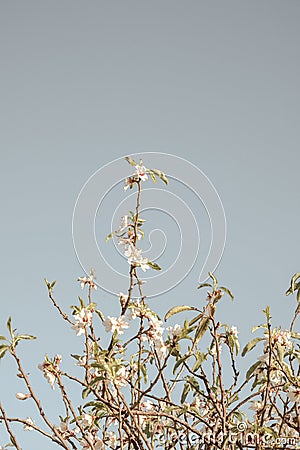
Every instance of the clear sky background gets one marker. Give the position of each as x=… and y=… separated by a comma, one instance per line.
x=83, y=83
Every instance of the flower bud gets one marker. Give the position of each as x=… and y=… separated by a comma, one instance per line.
x=21, y=396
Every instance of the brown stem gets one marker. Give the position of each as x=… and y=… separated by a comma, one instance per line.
x=9, y=430
x=37, y=402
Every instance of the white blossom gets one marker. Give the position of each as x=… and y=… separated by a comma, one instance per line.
x=282, y=337
x=87, y=280
x=112, y=439
x=128, y=183
x=234, y=331
x=121, y=377
x=256, y=405
x=161, y=348
x=124, y=223
x=176, y=330
x=294, y=394
x=86, y=420
x=134, y=256
x=83, y=319
x=27, y=425
x=63, y=427
x=115, y=324
x=140, y=172
x=147, y=405
x=47, y=370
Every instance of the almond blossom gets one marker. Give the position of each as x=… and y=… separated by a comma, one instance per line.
x=140, y=172
x=135, y=258
x=233, y=331
x=294, y=394
x=256, y=405
x=128, y=183
x=124, y=223
x=86, y=420
x=112, y=439
x=87, y=281
x=28, y=424
x=113, y=324
x=176, y=330
x=282, y=337
x=49, y=369
x=121, y=377
x=98, y=443
x=83, y=319
x=147, y=405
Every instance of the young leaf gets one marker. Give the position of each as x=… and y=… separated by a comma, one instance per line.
x=202, y=285
x=152, y=175
x=131, y=161
x=200, y=358
x=27, y=337
x=9, y=327
x=186, y=390
x=161, y=175
x=180, y=361
x=153, y=265
x=211, y=275
x=293, y=281
x=100, y=314
x=176, y=310
x=85, y=393
x=252, y=369
x=3, y=350
x=248, y=347
x=202, y=328
x=228, y=292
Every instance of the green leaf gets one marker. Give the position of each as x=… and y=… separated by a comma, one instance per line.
x=85, y=393
x=180, y=361
x=161, y=175
x=144, y=373
x=228, y=292
x=108, y=237
x=9, y=327
x=2, y=338
x=195, y=319
x=25, y=337
x=100, y=314
x=194, y=383
x=233, y=344
x=259, y=326
x=202, y=328
x=3, y=350
x=176, y=310
x=248, y=347
x=152, y=175
x=186, y=390
x=211, y=275
x=153, y=265
x=202, y=285
x=200, y=358
x=280, y=351
x=131, y=161
x=267, y=313
x=293, y=283
x=252, y=369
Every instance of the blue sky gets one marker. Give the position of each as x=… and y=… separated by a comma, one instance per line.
x=216, y=83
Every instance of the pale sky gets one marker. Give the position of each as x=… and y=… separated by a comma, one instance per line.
x=84, y=83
